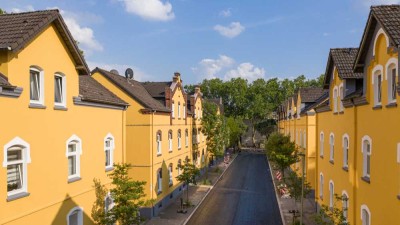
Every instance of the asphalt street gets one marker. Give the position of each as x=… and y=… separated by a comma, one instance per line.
x=245, y=195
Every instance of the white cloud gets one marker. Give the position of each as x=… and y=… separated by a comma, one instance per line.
x=27, y=8
x=225, y=13
x=231, y=31
x=209, y=68
x=381, y=2
x=246, y=71
x=84, y=35
x=139, y=75
x=155, y=10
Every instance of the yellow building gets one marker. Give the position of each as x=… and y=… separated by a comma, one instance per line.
x=61, y=128
x=160, y=123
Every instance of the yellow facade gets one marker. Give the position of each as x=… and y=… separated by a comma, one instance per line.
x=43, y=132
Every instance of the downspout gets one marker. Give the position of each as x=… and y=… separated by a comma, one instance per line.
x=316, y=161
x=152, y=158
x=355, y=164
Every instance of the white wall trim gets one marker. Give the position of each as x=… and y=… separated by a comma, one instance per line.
x=80, y=215
x=391, y=61
x=19, y=142
x=380, y=31
x=363, y=206
x=375, y=70
x=366, y=138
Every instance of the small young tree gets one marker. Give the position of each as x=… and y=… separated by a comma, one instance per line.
x=188, y=175
x=294, y=184
x=334, y=215
x=281, y=151
x=127, y=194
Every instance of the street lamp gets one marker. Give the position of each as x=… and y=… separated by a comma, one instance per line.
x=302, y=186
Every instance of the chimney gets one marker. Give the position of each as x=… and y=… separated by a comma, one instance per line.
x=177, y=77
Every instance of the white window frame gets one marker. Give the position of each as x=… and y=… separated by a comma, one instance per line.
x=109, y=137
x=40, y=88
x=321, y=144
x=179, y=139
x=376, y=72
x=26, y=158
x=173, y=110
x=345, y=205
x=106, y=208
x=184, y=111
x=391, y=65
x=79, y=210
x=321, y=186
x=332, y=147
x=335, y=99
x=345, y=150
x=159, y=142
x=364, y=208
x=178, y=167
x=159, y=180
x=179, y=110
x=186, y=138
x=341, y=96
x=74, y=139
x=63, y=93
x=365, y=155
x=331, y=194
x=171, y=182
x=170, y=141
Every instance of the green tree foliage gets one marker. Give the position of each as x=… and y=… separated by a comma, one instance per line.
x=294, y=184
x=236, y=128
x=2, y=11
x=188, y=175
x=334, y=215
x=128, y=196
x=281, y=151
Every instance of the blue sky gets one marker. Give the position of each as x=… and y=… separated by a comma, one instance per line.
x=210, y=38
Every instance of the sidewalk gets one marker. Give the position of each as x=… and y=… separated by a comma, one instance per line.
x=286, y=204
x=197, y=193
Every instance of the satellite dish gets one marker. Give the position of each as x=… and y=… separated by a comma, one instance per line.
x=129, y=73
x=114, y=71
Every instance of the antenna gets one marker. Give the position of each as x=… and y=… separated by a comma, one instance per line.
x=114, y=71
x=129, y=73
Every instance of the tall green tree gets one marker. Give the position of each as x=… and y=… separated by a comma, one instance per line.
x=188, y=175
x=236, y=129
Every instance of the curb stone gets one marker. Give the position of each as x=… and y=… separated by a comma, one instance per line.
x=276, y=194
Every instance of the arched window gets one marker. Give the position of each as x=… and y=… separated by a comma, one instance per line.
x=170, y=140
x=332, y=147
x=194, y=136
x=159, y=142
x=36, y=84
x=179, y=139
x=109, y=151
x=341, y=95
x=75, y=216
x=377, y=83
x=321, y=144
x=170, y=174
x=179, y=110
x=179, y=166
x=345, y=205
x=391, y=74
x=186, y=138
x=159, y=180
x=321, y=186
x=74, y=151
x=335, y=100
x=173, y=110
x=108, y=202
x=345, y=151
x=16, y=158
x=331, y=194
x=184, y=111
x=365, y=215
x=366, y=151
x=60, y=90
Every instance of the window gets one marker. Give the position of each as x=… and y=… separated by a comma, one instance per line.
x=170, y=140
x=173, y=110
x=332, y=147
x=179, y=139
x=109, y=151
x=75, y=216
x=194, y=136
x=108, y=203
x=391, y=70
x=179, y=110
x=345, y=151
x=365, y=215
x=186, y=138
x=159, y=179
x=16, y=158
x=377, y=84
x=59, y=90
x=170, y=174
x=36, y=86
x=184, y=111
x=74, y=150
x=341, y=95
x=335, y=100
x=158, y=139
x=321, y=144
x=331, y=194
x=345, y=205
x=321, y=186
x=179, y=166
x=366, y=151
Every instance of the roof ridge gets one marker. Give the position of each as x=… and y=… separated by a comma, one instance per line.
x=31, y=12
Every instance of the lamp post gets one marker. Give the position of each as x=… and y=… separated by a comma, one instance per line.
x=302, y=186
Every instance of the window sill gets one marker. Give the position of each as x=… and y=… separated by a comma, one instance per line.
x=398, y=196
x=345, y=168
x=108, y=169
x=377, y=107
x=62, y=108
x=17, y=196
x=366, y=179
x=391, y=105
x=159, y=154
x=159, y=192
x=341, y=112
x=335, y=113
x=170, y=151
x=36, y=106
x=321, y=156
x=171, y=184
x=73, y=179
x=331, y=161
x=180, y=148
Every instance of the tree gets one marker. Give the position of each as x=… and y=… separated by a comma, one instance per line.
x=334, y=215
x=2, y=11
x=127, y=194
x=188, y=175
x=281, y=151
x=236, y=128
x=294, y=184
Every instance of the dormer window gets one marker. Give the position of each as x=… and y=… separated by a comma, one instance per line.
x=36, y=86
x=377, y=85
x=335, y=100
x=341, y=95
x=391, y=73
x=173, y=110
x=179, y=110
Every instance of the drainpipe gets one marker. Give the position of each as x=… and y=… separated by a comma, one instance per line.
x=152, y=156
x=355, y=165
